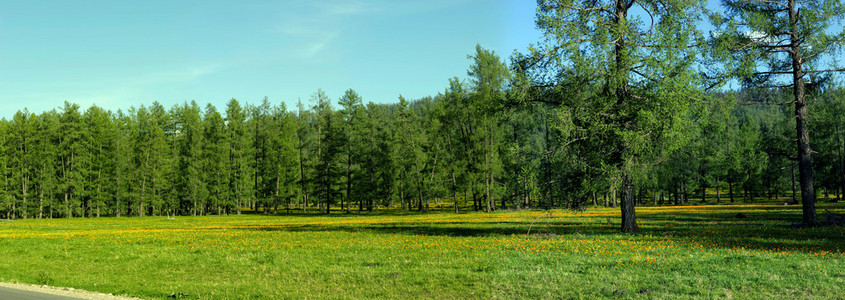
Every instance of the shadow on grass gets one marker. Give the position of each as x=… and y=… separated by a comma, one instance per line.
x=452, y=229
x=758, y=227
x=315, y=212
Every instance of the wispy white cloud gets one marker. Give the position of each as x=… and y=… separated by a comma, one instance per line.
x=316, y=47
x=316, y=26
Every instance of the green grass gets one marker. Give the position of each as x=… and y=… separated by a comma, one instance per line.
x=682, y=252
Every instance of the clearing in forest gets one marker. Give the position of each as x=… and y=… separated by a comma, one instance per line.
x=741, y=251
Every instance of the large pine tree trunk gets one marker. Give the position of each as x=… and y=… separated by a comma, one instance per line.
x=629, y=217
x=805, y=162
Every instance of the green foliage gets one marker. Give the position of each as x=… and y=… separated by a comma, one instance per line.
x=641, y=77
x=755, y=38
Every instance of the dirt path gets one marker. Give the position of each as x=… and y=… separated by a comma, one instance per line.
x=42, y=292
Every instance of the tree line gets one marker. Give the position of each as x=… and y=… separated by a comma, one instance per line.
x=452, y=152
x=608, y=109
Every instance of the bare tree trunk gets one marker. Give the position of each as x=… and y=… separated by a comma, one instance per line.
x=455, y=190
x=675, y=194
x=466, y=196
x=527, y=196
x=487, y=198
x=731, y=190
x=302, y=177
x=25, y=206
x=613, y=198
x=794, y=191
x=718, y=192
x=402, y=198
x=419, y=193
x=348, y=181
x=841, y=162
x=98, y=193
x=40, y=203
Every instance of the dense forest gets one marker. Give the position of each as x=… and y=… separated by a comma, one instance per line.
x=418, y=155
x=640, y=119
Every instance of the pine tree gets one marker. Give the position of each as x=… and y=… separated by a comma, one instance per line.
x=21, y=161
x=47, y=154
x=263, y=129
x=71, y=159
x=306, y=148
x=488, y=76
x=640, y=73
x=377, y=165
x=328, y=146
x=410, y=155
x=191, y=177
x=124, y=164
x=780, y=43
x=238, y=168
x=284, y=156
x=98, y=140
x=215, y=153
x=6, y=197
x=351, y=107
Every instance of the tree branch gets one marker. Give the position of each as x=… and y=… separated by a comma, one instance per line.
x=805, y=72
x=767, y=103
x=563, y=146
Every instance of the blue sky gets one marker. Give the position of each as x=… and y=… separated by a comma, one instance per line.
x=118, y=54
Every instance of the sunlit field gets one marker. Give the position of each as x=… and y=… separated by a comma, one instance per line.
x=682, y=252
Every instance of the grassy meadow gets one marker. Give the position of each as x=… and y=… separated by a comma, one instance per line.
x=682, y=252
